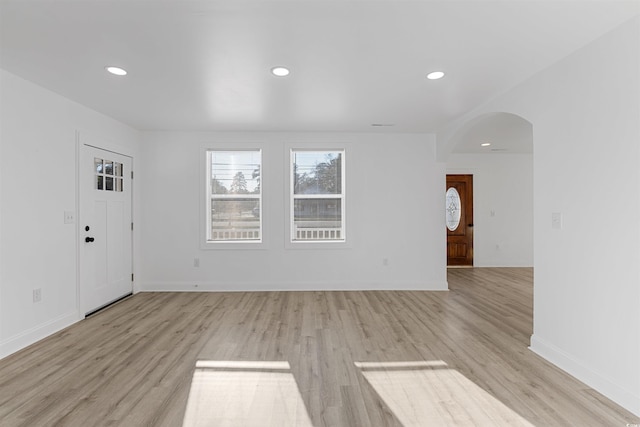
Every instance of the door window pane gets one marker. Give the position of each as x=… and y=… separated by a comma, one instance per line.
x=108, y=175
x=453, y=206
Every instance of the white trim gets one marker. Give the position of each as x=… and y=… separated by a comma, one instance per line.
x=208, y=286
x=106, y=144
x=37, y=333
x=481, y=263
x=320, y=147
x=89, y=143
x=77, y=228
x=205, y=196
x=578, y=369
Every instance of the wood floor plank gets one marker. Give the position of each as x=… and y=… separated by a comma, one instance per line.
x=348, y=358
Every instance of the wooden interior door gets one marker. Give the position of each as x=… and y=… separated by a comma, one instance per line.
x=459, y=211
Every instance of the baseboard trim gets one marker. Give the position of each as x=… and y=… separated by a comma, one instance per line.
x=298, y=286
x=504, y=264
x=582, y=372
x=35, y=334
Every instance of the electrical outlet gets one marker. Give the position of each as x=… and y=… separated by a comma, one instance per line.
x=196, y=262
x=37, y=295
x=69, y=217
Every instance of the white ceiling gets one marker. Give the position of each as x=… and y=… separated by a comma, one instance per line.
x=204, y=65
x=507, y=133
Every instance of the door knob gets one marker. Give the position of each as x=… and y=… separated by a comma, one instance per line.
x=89, y=239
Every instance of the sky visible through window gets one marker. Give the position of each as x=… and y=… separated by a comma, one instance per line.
x=235, y=171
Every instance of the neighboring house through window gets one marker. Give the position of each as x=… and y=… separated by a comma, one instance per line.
x=317, y=195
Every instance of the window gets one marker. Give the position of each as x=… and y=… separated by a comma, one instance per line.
x=108, y=175
x=317, y=196
x=234, y=196
x=453, y=209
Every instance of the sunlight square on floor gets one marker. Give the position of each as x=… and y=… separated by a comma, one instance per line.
x=423, y=393
x=236, y=393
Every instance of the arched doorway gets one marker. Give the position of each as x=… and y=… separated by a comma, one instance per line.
x=495, y=152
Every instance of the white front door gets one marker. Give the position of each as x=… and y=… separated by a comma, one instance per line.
x=105, y=228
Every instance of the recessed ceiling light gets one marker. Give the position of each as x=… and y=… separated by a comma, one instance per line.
x=116, y=70
x=280, y=71
x=435, y=75
x=485, y=144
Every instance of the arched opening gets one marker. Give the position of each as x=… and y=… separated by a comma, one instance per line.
x=496, y=151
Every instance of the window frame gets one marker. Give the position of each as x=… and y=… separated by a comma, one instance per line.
x=291, y=242
x=206, y=200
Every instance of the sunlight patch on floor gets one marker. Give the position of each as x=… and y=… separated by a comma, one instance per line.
x=430, y=393
x=236, y=393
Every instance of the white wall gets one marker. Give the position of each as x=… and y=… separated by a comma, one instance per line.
x=37, y=185
x=585, y=112
x=586, y=166
x=393, y=185
x=502, y=207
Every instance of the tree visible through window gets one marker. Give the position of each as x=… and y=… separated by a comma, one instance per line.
x=317, y=196
x=234, y=203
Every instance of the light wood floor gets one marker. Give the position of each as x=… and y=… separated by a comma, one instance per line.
x=304, y=359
